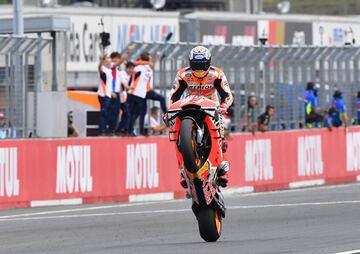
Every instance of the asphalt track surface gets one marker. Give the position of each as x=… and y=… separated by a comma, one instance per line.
x=316, y=220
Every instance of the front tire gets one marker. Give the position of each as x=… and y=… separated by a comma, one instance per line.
x=210, y=224
x=188, y=145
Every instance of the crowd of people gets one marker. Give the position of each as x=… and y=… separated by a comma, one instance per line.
x=127, y=91
x=335, y=115
x=262, y=122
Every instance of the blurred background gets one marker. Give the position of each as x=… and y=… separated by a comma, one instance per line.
x=52, y=71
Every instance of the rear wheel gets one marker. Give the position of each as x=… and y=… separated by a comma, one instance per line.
x=188, y=145
x=210, y=224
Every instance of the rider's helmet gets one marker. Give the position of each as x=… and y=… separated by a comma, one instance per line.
x=200, y=58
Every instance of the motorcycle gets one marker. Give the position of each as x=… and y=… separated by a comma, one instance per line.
x=195, y=126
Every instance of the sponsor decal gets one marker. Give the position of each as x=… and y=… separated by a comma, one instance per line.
x=243, y=40
x=141, y=166
x=310, y=160
x=201, y=87
x=84, y=44
x=74, y=169
x=258, y=162
x=353, y=151
x=298, y=38
x=9, y=181
x=214, y=39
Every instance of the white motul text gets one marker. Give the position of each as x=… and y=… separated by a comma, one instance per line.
x=353, y=151
x=141, y=166
x=73, y=169
x=9, y=182
x=310, y=160
x=258, y=162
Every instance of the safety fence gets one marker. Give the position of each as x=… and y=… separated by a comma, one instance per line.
x=21, y=77
x=76, y=171
x=277, y=75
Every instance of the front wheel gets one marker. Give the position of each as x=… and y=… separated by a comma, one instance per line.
x=210, y=224
x=188, y=145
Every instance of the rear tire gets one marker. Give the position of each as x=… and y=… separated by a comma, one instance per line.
x=188, y=145
x=210, y=224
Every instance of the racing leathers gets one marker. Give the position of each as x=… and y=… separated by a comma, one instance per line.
x=213, y=86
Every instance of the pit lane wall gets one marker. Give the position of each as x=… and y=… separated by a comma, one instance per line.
x=78, y=171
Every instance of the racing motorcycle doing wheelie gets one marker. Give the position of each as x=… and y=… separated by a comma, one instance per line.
x=195, y=126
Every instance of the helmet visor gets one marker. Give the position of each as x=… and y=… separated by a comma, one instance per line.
x=199, y=65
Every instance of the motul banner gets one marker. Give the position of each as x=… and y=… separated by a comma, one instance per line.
x=121, y=169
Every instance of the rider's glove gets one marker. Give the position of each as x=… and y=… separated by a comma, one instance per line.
x=223, y=109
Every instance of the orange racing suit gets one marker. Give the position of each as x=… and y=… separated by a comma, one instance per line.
x=213, y=85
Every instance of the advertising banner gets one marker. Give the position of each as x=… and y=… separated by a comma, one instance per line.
x=285, y=33
x=335, y=34
x=297, y=33
x=84, y=38
x=239, y=33
x=122, y=169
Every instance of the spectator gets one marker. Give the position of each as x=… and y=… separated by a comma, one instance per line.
x=140, y=81
x=3, y=130
x=251, y=119
x=124, y=78
x=338, y=109
x=358, y=107
x=264, y=119
x=311, y=114
x=105, y=94
x=150, y=93
x=153, y=123
x=115, y=99
x=72, y=131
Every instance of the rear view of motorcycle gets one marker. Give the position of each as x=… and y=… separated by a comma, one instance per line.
x=195, y=126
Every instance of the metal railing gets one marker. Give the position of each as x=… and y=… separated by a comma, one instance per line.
x=20, y=80
x=277, y=75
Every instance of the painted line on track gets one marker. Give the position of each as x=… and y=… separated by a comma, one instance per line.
x=84, y=209
x=349, y=252
x=285, y=205
x=56, y=202
x=308, y=183
x=152, y=197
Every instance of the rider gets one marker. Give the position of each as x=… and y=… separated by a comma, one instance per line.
x=200, y=78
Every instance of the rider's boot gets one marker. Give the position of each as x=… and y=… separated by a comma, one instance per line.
x=184, y=184
x=222, y=174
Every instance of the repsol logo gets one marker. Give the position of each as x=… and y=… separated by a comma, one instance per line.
x=73, y=169
x=202, y=87
x=258, y=163
x=141, y=166
x=353, y=151
x=9, y=182
x=310, y=156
